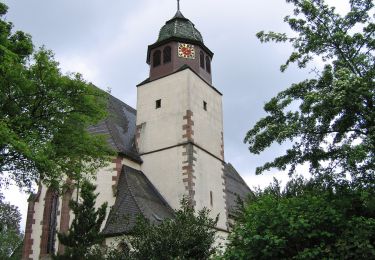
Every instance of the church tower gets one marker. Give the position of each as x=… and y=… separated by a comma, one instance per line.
x=180, y=121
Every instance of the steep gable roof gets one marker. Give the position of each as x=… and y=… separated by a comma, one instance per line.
x=120, y=126
x=136, y=196
x=235, y=187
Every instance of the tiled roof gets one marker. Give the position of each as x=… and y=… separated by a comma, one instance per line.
x=235, y=187
x=179, y=27
x=120, y=126
x=136, y=196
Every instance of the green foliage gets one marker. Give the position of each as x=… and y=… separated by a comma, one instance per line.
x=308, y=220
x=84, y=233
x=44, y=115
x=333, y=128
x=120, y=251
x=190, y=235
x=330, y=121
x=10, y=234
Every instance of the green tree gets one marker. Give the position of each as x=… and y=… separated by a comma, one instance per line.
x=333, y=127
x=330, y=121
x=306, y=220
x=189, y=235
x=10, y=234
x=44, y=115
x=84, y=232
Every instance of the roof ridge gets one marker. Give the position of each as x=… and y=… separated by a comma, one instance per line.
x=239, y=175
x=128, y=106
x=111, y=133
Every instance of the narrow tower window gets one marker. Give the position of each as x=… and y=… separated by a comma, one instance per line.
x=201, y=59
x=158, y=103
x=211, y=199
x=156, y=58
x=167, y=54
x=208, y=64
x=205, y=105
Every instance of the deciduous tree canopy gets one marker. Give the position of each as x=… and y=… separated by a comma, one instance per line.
x=306, y=220
x=44, y=114
x=331, y=122
x=10, y=234
x=333, y=129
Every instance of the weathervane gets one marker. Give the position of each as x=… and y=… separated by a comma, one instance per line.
x=178, y=5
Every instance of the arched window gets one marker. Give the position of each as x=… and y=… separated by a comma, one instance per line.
x=167, y=54
x=208, y=64
x=201, y=59
x=49, y=223
x=156, y=58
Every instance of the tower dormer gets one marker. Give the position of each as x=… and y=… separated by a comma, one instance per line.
x=179, y=44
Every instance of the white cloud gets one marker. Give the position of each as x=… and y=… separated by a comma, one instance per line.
x=84, y=65
x=266, y=178
x=18, y=198
x=342, y=7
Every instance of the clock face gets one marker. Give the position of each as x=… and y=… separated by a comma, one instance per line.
x=186, y=51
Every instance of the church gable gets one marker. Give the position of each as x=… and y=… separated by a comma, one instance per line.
x=136, y=196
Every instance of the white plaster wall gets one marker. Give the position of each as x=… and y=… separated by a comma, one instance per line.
x=179, y=92
x=163, y=128
x=104, y=184
x=37, y=227
x=221, y=240
x=163, y=125
x=112, y=241
x=208, y=125
x=208, y=173
x=164, y=170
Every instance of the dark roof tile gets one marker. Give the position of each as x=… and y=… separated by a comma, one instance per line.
x=120, y=126
x=136, y=196
x=179, y=27
x=235, y=187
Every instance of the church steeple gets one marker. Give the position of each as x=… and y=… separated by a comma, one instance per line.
x=179, y=120
x=179, y=44
x=178, y=13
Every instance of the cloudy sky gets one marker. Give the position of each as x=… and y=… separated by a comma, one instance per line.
x=107, y=41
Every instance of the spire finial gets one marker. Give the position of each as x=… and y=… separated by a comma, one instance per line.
x=178, y=5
